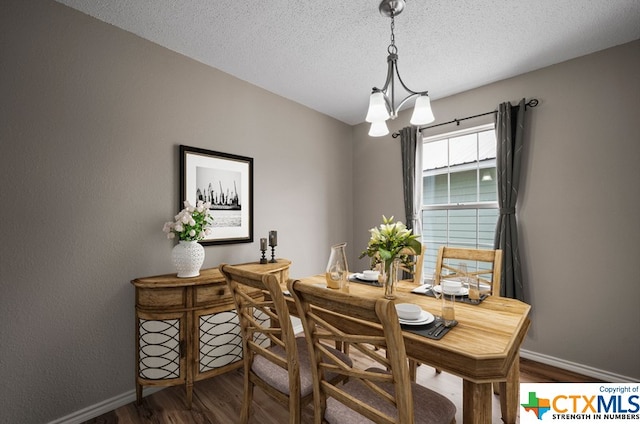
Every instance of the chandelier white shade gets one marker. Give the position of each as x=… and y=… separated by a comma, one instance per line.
x=382, y=102
x=377, y=108
x=422, y=113
x=378, y=129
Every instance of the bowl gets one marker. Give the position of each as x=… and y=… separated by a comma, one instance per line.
x=371, y=275
x=451, y=286
x=408, y=311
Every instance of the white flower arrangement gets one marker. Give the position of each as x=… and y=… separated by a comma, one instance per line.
x=391, y=240
x=191, y=224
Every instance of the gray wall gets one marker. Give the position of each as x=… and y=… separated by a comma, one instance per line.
x=92, y=117
x=578, y=205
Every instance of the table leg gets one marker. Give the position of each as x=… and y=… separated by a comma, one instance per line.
x=413, y=369
x=510, y=393
x=476, y=402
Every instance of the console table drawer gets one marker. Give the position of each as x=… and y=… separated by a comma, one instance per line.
x=212, y=294
x=163, y=298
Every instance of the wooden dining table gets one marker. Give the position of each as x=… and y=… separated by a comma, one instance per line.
x=482, y=349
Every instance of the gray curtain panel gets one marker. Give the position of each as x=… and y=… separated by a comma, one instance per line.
x=408, y=141
x=411, y=146
x=509, y=137
x=411, y=150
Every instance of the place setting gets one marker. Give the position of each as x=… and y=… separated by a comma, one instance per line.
x=471, y=292
x=416, y=320
x=368, y=276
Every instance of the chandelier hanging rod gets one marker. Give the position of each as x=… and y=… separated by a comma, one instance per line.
x=530, y=103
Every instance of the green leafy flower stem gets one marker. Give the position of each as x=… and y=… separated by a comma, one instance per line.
x=391, y=241
x=191, y=223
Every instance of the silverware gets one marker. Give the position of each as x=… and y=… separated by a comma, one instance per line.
x=437, y=327
x=440, y=330
x=435, y=293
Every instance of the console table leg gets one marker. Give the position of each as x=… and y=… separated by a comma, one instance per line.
x=189, y=389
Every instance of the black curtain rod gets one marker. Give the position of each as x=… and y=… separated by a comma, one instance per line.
x=530, y=103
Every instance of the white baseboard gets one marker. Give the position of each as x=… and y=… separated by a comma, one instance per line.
x=605, y=376
x=103, y=407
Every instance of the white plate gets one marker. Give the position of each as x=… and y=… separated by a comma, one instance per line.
x=463, y=291
x=360, y=276
x=425, y=318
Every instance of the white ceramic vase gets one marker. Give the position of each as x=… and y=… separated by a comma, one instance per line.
x=188, y=257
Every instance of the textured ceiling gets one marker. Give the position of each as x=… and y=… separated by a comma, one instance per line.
x=328, y=55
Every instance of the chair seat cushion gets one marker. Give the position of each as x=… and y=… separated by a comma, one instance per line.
x=428, y=406
x=278, y=377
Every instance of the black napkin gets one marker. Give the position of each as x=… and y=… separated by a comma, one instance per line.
x=355, y=279
x=434, y=330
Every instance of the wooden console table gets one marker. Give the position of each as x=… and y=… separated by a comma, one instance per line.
x=187, y=328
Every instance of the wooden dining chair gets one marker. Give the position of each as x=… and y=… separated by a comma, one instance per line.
x=274, y=358
x=487, y=264
x=382, y=393
x=416, y=270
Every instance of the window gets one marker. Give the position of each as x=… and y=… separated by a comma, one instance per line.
x=459, y=197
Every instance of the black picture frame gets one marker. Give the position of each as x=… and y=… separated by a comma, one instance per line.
x=225, y=180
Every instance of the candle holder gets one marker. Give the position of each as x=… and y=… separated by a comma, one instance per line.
x=263, y=249
x=273, y=242
x=273, y=255
x=263, y=259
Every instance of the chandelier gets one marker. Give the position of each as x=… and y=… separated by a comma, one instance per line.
x=382, y=102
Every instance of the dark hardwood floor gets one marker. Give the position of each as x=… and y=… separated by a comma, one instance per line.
x=217, y=400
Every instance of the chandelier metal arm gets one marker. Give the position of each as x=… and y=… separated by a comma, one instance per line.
x=388, y=90
x=403, y=84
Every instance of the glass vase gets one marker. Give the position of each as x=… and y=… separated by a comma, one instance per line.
x=337, y=272
x=389, y=277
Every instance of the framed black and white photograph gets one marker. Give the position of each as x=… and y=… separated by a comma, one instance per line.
x=226, y=182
